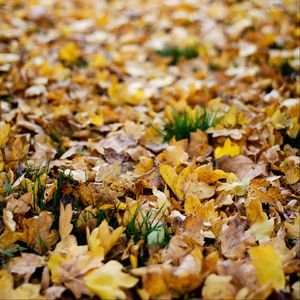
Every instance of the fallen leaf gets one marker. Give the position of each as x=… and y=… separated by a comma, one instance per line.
x=102, y=239
x=255, y=212
x=4, y=134
x=233, y=238
x=69, y=52
x=243, y=167
x=107, y=281
x=293, y=230
x=24, y=291
x=26, y=264
x=268, y=267
x=218, y=287
x=38, y=234
x=8, y=219
x=65, y=217
x=201, y=190
x=262, y=230
x=229, y=148
x=171, y=178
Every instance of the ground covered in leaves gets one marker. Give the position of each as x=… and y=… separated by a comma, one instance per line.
x=149, y=149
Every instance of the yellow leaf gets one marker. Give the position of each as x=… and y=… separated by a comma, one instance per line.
x=69, y=52
x=56, y=71
x=230, y=118
x=145, y=164
x=279, y=120
x=174, y=155
x=102, y=239
x=263, y=230
x=4, y=134
x=107, y=281
x=98, y=120
x=268, y=267
x=24, y=291
x=171, y=178
x=137, y=98
x=98, y=61
x=229, y=148
x=65, y=217
x=55, y=260
x=192, y=205
x=210, y=176
x=255, y=212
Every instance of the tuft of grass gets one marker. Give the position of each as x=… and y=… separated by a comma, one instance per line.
x=175, y=53
x=7, y=188
x=286, y=69
x=5, y=254
x=183, y=124
x=35, y=175
x=149, y=229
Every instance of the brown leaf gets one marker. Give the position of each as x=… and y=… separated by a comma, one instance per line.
x=38, y=234
x=26, y=264
x=232, y=238
x=243, y=167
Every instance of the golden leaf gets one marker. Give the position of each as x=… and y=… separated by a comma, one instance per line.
x=229, y=148
x=97, y=120
x=107, y=281
x=69, y=52
x=4, y=134
x=171, y=178
x=268, y=267
x=102, y=239
x=255, y=212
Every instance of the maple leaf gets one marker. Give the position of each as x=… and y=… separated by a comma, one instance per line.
x=38, y=234
x=102, y=239
x=268, y=267
x=65, y=217
x=229, y=148
x=107, y=281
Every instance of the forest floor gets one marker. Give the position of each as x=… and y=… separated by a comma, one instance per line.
x=149, y=149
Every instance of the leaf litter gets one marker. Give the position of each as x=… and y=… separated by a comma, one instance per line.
x=149, y=149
